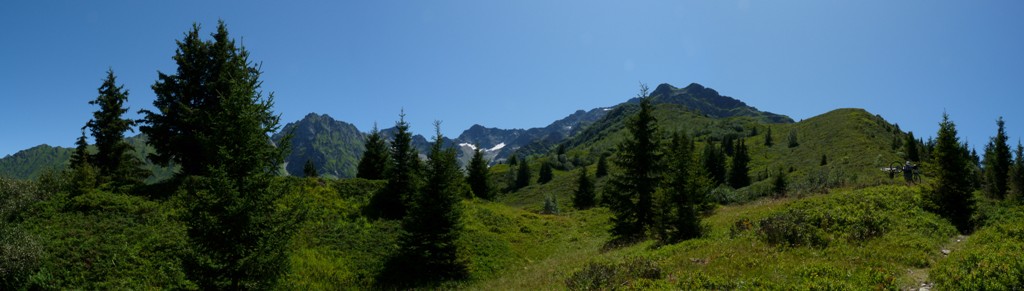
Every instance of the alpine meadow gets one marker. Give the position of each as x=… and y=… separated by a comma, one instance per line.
x=674, y=187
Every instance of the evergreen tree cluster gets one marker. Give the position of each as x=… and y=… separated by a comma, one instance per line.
x=427, y=199
x=212, y=120
x=655, y=193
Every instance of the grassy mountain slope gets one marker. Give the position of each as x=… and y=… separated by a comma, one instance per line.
x=33, y=162
x=30, y=163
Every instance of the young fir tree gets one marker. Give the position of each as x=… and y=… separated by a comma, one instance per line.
x=602, y=166
x=639, y=158
x=1017, y=174
x=913, y=154
x=309, y=169
x=376, y=159
x=113, y=157
x=824, y=159
x=739, y=173
x=585, y=196
x=728, y=145
x=951, y=194
x=713, y=162
x=80, y=157
x=403, y=176
x=213, y=120
x=779, y=184
x=768, y=142
x=546, y=173
x=434, y=222
x=478, y=178
x=678, y=203
x=997, y=163
x=522, y=175
x=793, y=142
x=83, y=173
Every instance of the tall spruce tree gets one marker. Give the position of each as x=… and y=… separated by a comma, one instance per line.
x=113, y=157
x=585, y=196
x=434, y=222
x=376, y=159
x=639, y=158
x=523, y=175
x=678, y=217
x=546, y=173
x=478, y=177
x=713, y=161
x=213, y=120
x=997, y=163
x=768, y=142
x=403, y=176
x=602, y=166
x=951, y=194
x=739, y=173
x=912, y=144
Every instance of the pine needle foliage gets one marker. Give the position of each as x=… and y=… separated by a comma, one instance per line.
x=950, y=196
x=639, y=159
x=376, y=159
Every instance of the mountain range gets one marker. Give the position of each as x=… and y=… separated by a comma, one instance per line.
x=335, y=146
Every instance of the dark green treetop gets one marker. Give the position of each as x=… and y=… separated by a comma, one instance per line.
x=478, y=177
x=376, y=159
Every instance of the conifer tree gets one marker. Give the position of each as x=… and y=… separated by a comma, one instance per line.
x=434, y=222
x=951, y=194
x=997, y=163
x=523, y=175
x=403, y=175
x=309, y=169
x=376, y=159
x=585, y=196
x=113, y=157
x=713, y=162
x=1017, y=174
x=639, y=158
x=83, y=173
x=678, y=217
x=478, y=178
x=739, y=173
x=546, y=173
x=602, y=166
x=768, y=142
x=912, y=153
x=824, y=159
x=213, y=120
x=728, y=145
x=779, y=184
x=792, y=139
x=80, y=157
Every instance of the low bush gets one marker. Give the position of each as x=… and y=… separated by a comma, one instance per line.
x=609, y=276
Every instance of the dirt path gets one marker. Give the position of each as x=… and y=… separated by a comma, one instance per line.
x=919, y=277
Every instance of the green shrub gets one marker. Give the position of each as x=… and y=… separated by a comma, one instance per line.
x=608, y=276
x=990, y=259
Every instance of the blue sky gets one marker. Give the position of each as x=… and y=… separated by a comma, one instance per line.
x=522, y=64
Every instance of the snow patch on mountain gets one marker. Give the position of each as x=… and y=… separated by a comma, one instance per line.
x=496, y=147
x=469, y=145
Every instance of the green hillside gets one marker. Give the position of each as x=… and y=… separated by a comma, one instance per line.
x=843, y=225
x=30, y=163
x=33, y=162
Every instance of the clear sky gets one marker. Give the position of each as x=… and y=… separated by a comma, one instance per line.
x=522, y=64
